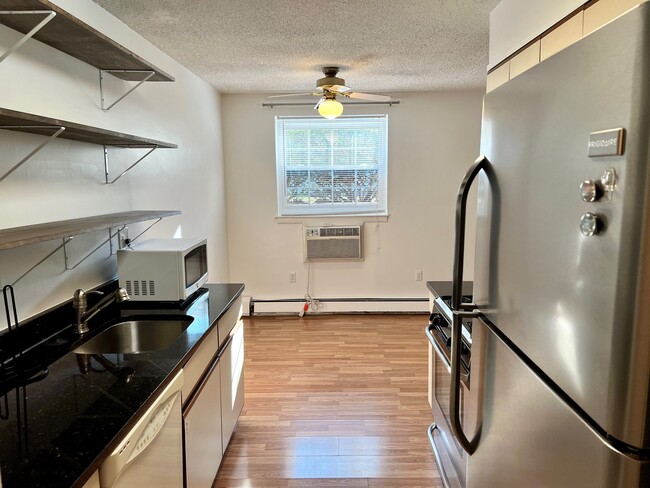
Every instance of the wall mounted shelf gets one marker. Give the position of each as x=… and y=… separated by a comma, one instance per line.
x=52, y=128
x=76, y=38
x=38, y=124
x=67, y=229
x=32, y=234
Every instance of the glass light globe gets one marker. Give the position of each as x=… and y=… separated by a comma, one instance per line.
x=330, y=108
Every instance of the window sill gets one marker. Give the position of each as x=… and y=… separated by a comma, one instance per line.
x=299, y=219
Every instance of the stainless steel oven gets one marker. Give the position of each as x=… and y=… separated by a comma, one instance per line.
x=451, y=458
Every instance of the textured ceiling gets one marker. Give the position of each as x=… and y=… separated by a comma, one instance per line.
x=265, y=46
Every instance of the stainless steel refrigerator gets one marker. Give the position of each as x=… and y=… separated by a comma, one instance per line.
x=560, y=365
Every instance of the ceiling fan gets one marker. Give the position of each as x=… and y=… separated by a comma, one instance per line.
x=328, y=87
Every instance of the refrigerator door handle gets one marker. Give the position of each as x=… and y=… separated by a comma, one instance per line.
x=481, y=163
x=455, y=403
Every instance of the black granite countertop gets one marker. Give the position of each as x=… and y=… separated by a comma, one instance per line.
x=443, y=288
x=56, y=430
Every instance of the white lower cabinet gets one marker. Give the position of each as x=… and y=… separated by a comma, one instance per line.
x=93, y=482
x=202, y=422
x=213, y=399
x=232, y=382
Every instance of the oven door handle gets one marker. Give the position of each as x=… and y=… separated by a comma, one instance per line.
x=443, y=352
x=441, y=467
x=438, y=346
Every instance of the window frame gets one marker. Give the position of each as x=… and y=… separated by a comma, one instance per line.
x=284, y=209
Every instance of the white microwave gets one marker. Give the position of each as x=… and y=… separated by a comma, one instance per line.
x=163, y=269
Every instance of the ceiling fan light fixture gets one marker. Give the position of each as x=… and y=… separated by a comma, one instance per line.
x=330, y=108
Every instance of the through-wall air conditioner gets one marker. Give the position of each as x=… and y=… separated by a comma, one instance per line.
x=332, y=243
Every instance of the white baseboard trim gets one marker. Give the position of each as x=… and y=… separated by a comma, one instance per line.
x=376, y=305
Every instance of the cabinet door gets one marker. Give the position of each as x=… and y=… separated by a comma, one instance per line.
x=229, y=320
x=198, y=363
x=202, y=424
x=232, y=382
x=93, y=482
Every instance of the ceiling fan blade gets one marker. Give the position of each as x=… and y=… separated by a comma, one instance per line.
x=339, y=89
x=295, y=95
x=368, y=96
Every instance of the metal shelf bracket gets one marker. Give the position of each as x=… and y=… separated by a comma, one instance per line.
x=149, y=227
x=67, y=258
x=147, y=74
x=106, y=173
x=50, y=15
x=60, y=246
x=63, y=245
x=119, y=242
x=56, y=134
x=66, y=241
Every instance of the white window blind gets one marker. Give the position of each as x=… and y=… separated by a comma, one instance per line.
x=331, y=167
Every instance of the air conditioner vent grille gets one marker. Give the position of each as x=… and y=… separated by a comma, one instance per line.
x=339, y=231
x=332, y=243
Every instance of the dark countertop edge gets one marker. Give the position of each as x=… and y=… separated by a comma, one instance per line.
x=97, y=462
x=442, y=288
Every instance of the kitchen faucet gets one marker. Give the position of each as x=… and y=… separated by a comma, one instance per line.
x=80, y=304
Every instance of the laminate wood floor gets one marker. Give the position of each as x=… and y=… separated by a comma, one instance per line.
x=333, y=401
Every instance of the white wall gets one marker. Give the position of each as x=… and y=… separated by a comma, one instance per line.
x=432, y=139
x=66, y=179
x=513, y=23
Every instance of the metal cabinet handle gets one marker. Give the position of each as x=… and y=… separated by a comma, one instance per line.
x=481, y=164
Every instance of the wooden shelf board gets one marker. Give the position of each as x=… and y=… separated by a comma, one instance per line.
x=31, y=234
x=74, y=131
x=72, y=36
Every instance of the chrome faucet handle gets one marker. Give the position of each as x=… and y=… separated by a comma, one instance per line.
x=80, y=304
x=79, y=298
x=121, y=295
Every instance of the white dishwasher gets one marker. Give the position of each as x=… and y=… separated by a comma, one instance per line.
x=151, y=454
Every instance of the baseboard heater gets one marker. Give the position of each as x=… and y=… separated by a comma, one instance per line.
x=292, y=306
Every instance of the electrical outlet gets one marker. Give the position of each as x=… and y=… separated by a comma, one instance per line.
x=418, y=275
x=123, y=238
x=292, y=277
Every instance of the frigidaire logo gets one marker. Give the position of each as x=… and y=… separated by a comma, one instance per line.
x=604, y=142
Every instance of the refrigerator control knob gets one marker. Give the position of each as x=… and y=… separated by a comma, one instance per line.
x=590, y=191
x=590, y=224
x=608, y=179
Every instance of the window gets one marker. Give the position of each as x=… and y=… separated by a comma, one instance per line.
x=331, y=167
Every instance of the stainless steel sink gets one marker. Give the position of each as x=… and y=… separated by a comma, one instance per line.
x=136, y=336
